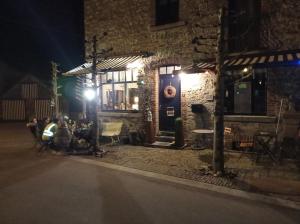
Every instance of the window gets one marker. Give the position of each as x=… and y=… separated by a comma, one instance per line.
x=244, y=22
x=167, y=11
x=119, y=91
x=247, y=96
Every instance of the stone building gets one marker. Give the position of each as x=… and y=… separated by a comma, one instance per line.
x=175, y=45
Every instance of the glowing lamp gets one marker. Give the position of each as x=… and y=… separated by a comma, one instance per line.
x=89, y=94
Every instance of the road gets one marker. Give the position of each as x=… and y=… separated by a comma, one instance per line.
x=56, y=189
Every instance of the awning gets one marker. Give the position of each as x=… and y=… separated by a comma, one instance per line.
x=263, y=59
x=108, y=64
x=198, y=67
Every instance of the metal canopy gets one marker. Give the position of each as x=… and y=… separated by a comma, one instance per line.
x=263, y=59
x=108, y=64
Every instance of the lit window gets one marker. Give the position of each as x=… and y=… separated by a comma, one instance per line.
x=120, y=91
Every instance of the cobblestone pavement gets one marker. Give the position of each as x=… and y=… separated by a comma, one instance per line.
x=241, y=171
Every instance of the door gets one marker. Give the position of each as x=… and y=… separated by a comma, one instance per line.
x=169, y=101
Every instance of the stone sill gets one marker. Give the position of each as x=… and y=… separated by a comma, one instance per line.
x=245, y=118
x=167, y=26
x=120, y=114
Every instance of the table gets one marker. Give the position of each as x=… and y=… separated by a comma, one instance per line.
x=203, y=143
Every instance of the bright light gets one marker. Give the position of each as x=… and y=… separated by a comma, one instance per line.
x=192, y=81
x=89, y=94
x=136, y=64
x=136, y=99
x=182, y=74
x=245, y=70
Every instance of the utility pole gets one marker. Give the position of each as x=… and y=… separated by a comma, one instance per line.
x=55, y=87
x=218, y=148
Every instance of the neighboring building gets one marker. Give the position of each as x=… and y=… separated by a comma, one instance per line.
x=262, y=41
x=28, y=98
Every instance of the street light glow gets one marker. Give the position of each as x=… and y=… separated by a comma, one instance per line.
x=89, y=94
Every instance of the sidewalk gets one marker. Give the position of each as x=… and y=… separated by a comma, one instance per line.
x=241, y=172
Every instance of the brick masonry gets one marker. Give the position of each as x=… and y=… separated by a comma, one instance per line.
x=131, y=29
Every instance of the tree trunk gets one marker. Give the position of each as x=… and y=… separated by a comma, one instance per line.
x=218, y=148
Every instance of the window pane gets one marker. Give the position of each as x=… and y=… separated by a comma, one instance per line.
x=107, y=97
x=259, y=94
x=178, y=67
x=128, y=76
x=135, y=74
x=122, y=76
x=116, y=76
x=103, y=78
x=109, y=77
x=132, y=97
x=119, y=96
x=162, y=70
x=242, y=98
x=170, y=69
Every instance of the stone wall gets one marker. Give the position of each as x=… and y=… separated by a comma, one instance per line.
x=281, y=24
x=197, y=89
x=130, y=28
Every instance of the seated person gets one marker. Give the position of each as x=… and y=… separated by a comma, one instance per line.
x=62, y=137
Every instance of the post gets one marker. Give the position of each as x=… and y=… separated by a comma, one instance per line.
x=54, y=87
x=94, y=104
x=218, y=148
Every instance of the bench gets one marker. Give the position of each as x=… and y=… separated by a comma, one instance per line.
x=112, y=130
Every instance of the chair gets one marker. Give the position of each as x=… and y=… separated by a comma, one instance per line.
x=112, y=130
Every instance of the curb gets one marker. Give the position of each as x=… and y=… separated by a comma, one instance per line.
x=195, y=184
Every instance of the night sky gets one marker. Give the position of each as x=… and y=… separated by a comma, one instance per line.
x=35, y=32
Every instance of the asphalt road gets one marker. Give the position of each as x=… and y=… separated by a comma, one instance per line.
x=55, y=189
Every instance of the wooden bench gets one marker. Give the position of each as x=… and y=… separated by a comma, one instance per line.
x=112, y=130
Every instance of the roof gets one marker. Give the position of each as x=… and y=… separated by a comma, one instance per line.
x=108, y=64
x=263, y=59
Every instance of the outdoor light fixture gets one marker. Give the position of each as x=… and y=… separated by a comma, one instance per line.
x=182, y=74
x=89, y=94
x=245, y=70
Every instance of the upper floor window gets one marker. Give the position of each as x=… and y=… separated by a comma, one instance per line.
x=244, y=25
x=166, y=11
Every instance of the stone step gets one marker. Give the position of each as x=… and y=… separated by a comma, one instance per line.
x=166, y=133
x=165, y=138
x=158, y=144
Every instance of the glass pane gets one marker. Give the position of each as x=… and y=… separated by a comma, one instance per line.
x=116, y=76
x=132, y=97
x=170, y=69
x=109, y=77
x=122, y=76
x=103, y=78
x=178, y=67
x=135, y=74
x=119, y=96
x=162, y=71
x=128, y=76
x=107, y=97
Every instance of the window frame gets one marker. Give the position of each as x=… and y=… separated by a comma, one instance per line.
x=113, y=83
x=231, y=94
x=161, y=21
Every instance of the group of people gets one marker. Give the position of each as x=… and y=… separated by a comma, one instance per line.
x=56, y=133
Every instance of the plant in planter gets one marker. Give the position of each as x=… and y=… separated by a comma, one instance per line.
x=179, y=135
